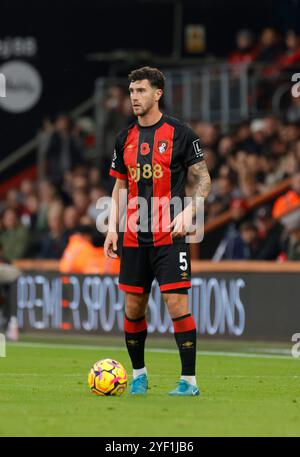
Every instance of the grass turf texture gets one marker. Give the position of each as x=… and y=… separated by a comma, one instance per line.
x=43, y=392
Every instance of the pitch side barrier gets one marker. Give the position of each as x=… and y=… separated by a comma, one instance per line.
x=235, y=300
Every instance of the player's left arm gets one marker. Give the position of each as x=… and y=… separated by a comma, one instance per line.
x=199, y=182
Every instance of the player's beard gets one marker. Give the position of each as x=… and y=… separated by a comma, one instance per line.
x=143, y=111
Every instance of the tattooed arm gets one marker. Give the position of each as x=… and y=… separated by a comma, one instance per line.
x=199, y=185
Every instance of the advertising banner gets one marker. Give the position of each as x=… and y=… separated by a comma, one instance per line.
x=249, y=306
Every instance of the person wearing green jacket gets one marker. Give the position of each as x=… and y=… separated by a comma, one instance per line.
x=14, y=237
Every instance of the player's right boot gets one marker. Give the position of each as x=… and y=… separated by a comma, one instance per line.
x=139, y=385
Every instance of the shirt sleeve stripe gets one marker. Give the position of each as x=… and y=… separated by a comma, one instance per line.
x=116, y=174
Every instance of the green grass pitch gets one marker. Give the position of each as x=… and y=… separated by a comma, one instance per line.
x=44, y=392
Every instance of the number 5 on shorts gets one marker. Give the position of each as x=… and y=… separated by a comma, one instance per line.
x=183, y=261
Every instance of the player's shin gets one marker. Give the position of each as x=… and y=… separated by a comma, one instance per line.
x=186, y=337
x=135, y=337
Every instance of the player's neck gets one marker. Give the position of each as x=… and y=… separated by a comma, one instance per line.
x=150, y=118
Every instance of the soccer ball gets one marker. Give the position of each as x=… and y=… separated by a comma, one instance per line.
x=107, y=377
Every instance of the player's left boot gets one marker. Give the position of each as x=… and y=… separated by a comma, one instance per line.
x=185, y=389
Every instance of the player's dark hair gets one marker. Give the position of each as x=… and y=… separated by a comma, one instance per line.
x=154, y=76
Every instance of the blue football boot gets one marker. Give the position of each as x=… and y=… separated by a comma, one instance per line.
x=139, y=385
x=185, y=389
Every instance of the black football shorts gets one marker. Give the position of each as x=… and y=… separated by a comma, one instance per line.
x=169, y=264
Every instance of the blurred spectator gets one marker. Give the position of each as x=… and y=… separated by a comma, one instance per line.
x=84, y=254
x=270, y=235
x=271, y=126
x=55, y=239
x=222, y=191
x=44, y=137
x=94, y=176
x=248, y=187
x=81, y=201
x=245, y=48
x=64, y=151
x=272, y=173
x=293, y=247
x=287, y=59
x=8, y=276
x=290, y=200
x=13, y=200
x=30, y=211
x=96, y=193
x=293, y=111
x=85, y=129
x=225, y=147
x=86, y=220
x=244, y=245
x=270, y=46
x=211, y=162
x=116, y=117
x=242, y=136
x=208, y=133
x=257, y=128
x=27, y=188
x=47, y=195
x=289, y=133
x=232, y=244
x=70, y=219
x=14, y=237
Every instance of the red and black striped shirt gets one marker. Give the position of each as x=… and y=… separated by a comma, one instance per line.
x=154, y=160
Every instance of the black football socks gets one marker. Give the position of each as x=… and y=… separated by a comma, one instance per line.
x=185, y=336
x=135, y=337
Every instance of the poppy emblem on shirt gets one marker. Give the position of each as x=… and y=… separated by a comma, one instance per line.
x=162, y=146
x=145, y=149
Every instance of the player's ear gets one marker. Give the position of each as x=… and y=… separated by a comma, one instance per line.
x=158, y=94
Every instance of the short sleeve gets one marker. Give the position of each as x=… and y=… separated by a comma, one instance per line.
x=192, y=148
x=118, y=169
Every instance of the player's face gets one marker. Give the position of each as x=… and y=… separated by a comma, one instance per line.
x=143, y=96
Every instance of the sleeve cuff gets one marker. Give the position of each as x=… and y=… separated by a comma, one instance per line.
x=193, y=161
x=116, y=174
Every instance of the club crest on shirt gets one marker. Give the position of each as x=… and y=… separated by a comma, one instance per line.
x=162, y=146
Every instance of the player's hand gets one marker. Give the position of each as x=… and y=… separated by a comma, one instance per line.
x=110, y=245
x=181, y=223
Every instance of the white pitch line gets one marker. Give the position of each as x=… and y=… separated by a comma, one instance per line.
x=249, y=355
x=153, y=375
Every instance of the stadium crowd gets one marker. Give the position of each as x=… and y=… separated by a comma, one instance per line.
x=46, y=218
x=275, y=51
x=40, y=219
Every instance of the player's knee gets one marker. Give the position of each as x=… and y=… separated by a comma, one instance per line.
x=177, y=304
x=135, y=305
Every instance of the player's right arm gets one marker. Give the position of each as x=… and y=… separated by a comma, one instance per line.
x=110, y=244
x=118, y=170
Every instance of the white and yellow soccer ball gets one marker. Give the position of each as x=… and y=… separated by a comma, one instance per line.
x=107, y=377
